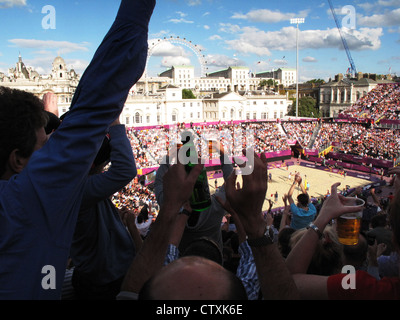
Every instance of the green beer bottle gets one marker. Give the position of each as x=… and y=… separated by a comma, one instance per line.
x=200, y=198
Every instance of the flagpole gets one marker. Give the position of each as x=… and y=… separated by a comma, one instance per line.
x=297, y=21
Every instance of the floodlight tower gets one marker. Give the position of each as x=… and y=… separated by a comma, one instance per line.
x=297, y=21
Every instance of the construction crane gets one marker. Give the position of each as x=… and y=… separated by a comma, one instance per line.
x=353, y=69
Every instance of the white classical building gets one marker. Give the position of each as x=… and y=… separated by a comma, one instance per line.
x=284, y=76
x=168, y=107
x=61, y=82
x=337, y=95
x=225, y=95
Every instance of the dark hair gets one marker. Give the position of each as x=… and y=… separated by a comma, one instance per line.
x=379, y=220
x=303, y=198
x=356, y=254
x=143, y=214
x=21, y=115
x=53, y=123
x=284, y=241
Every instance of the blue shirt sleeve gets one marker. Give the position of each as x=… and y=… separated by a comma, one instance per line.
x=247, y=271
x=172, y=254
x=121, y=171
x=39, y=206
x=294, y=209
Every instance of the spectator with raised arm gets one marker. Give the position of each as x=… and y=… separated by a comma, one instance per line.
x=331, y=287
x=200, y=224
x=42, y=181
x=303, y=212
x=102, y=248
x=194, y=277
x=273, y=276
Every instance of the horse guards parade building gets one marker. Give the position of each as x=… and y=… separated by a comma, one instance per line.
x=226, y=95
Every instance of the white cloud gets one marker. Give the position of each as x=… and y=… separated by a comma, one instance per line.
x=259, y=42
x=388, y=19
x=220, y=60
x=181, y=14
x=192, y=3
x=62, y=47
x=160, y=34
x=379, y=5
x=229, y=28
x=269, y=16
x=12, y=3
x=309, y=59
x=206, y=27
x=181, y=20
x=169, y=61
x=169, y=49
x=215, y=37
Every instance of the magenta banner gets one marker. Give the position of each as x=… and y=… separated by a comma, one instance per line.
x=360, y=159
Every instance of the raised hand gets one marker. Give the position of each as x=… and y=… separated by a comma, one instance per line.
x=248, y=200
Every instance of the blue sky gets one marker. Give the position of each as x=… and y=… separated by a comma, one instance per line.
x=251, y=33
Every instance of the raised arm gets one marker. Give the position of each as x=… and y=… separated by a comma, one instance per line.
x=178, y=186
x=299, y=258
x=121, y=171
x=296, y=180
x=275, y=279
x=46, y=195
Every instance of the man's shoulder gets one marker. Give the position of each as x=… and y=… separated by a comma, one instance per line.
x=311, y=207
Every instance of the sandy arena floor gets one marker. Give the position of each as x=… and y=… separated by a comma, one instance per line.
x=320, y=182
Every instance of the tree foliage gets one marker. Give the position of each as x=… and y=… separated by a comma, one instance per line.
x=307, y=108
x=188, y=94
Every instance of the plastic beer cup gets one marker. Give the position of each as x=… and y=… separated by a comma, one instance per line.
x=211, y=147
x=348, y=225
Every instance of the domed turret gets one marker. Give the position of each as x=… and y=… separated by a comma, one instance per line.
x=59, y=70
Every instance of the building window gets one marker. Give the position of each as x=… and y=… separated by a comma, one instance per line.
x=138, y=118
x=263, y=115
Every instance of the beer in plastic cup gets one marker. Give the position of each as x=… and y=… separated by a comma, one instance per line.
x=348, y=225
x=211, y=147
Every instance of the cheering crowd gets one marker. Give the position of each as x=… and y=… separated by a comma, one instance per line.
x=382, y=102
x=76, y=221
